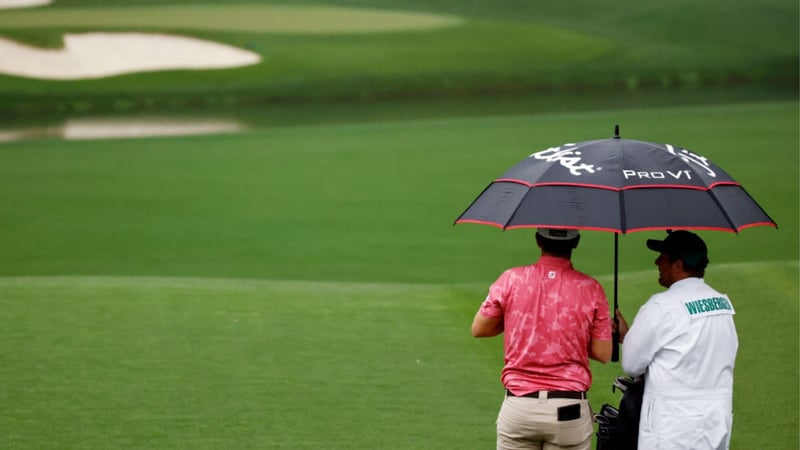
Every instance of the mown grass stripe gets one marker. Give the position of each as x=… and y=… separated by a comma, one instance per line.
x=121, y=362
x=248, y=18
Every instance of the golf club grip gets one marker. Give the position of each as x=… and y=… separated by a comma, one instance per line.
x=615, y=346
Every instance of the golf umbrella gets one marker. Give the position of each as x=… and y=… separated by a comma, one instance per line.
x=617, y=185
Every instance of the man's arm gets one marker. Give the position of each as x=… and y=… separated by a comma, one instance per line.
x=639, y=342
x=483, y=326
x=600, y=350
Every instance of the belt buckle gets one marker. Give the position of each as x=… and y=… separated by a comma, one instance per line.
x=542, y=396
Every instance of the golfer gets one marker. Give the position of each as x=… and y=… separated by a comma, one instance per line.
x=684, y=342
x=554, y=319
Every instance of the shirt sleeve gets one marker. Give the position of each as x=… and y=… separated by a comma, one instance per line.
x=601, y=327
x=641, y=342
x=492, y=307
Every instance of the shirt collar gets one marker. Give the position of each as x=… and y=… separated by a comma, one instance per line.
x=689, y=280
x=554, y=261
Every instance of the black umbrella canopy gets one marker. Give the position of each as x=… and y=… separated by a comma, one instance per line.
x=617, y=185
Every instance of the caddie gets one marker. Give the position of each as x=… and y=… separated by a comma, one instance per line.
x=684, y=342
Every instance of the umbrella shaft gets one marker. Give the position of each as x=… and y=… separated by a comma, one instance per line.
x=615, y=336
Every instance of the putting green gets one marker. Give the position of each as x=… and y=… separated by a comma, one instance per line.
x=252, y=18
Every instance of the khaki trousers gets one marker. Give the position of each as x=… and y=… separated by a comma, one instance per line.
x=532, y=423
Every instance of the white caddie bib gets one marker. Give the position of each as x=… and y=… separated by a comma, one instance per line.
x=705, y=307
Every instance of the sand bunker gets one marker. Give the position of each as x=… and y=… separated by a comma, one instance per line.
x=10, y=4
x=98, y=55
x=124, y=128
x=86, y=129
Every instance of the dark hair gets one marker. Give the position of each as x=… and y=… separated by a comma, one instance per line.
x=561, y=248
x=693, y=268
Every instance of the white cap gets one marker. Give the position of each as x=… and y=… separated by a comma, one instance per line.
x=557, y=234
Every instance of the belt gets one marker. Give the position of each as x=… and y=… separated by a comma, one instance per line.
x=552, y=394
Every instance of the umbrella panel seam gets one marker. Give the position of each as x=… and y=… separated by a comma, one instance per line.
x=612, y=188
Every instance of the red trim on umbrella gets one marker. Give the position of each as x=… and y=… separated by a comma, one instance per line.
x=617, y=230
x=550, y=225
x=729, y=230
x=758, y=224
x=724, y=183
x=481, y=222
x=611, y=188
x=533, y=185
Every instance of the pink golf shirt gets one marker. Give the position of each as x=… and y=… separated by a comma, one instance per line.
x=550, y=313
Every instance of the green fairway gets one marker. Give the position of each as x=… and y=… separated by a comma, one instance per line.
x=304, y=287
x=361, y=202
x=118, y=362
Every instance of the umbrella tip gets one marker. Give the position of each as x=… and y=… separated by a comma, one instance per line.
x=616, y=131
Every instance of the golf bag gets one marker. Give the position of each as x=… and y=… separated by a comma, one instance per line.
x=618, y=429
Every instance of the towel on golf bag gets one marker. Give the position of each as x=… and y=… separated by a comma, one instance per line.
x=618, y=429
